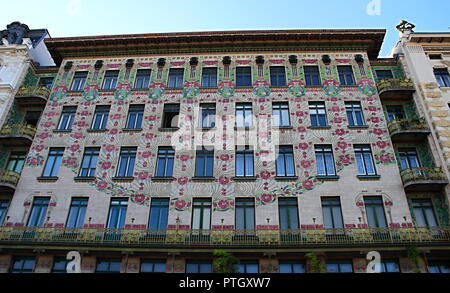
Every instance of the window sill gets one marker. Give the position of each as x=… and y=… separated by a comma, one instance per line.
x=323, y=177
x=286, y=178
x=368, y=177
x=205, y=128
x=314, y=86
x=249, y=178
x=62, y=130
x=47, y=179
x=244, y=128
x=210, y=178
x=173, y=88
x=96, y=130
x=319, y=127
x=123, y=179
x=131, y=129
x=107, y=90
x=83, y=179
x=358, y=127
x=75, y=91
x=163, y=179
x=168, y=129
x=282, y=127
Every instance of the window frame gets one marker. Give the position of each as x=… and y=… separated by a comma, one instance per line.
x=212, y=77
x=129, y=152
x=79, y=81
x=142, y=78
x=283, y=151
x=245, y=151
x=110, y=80
x=65, y=124
x=102, y=113
x=57, y=156
x=325, y=150
x=364, y=150
x=168, y=154
x=243, y=77
x=176, y=78
x=277, y=79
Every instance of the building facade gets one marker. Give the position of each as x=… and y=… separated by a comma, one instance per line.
x=154, y=150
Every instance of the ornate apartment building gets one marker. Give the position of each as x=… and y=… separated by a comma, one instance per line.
x=154, y=150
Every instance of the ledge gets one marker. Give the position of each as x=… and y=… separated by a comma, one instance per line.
x=286, y=178
x=131, y=129
x=62, y=130
x=124, y=179
x=205, y=128
x=96, y=130
x=283, y=127
x=358, y=127
x=83, y=179
x=163, y=179
x=47, y=179
x=323, y=177
x=212, y=178
x=368, y=177
x=320, y=127
x=168, y=129
x=244, y=128
x=249, y=178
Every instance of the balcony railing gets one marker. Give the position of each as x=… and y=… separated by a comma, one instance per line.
x=223, y=238
x=423, y=176
x=406, y=127
x=9, y=178
x=33, y=94
x=18, y=130
x=395, y=88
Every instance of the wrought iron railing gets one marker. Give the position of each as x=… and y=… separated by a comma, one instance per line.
x=395, y=84
x=30, y=91
x=9, y=177
x=223, y=238
x=422, y=174
x=407, y=124
x=18, y=129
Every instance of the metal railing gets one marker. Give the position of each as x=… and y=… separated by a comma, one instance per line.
x=18, y=129
x=223, y=238
x=407, y=124
x=34, y=91
x=395, y=84
x=9, y=177
x=422, y=174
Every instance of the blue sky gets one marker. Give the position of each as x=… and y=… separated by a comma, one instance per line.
x=64, y=18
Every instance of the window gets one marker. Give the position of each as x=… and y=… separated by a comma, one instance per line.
x=288, y=209
x=209, y=77
x=244, y=162
x=408, y=158
x=390, y=266
x=243, y=76
x=67, y=117
x=110, y=80
x=142, y=79
x=442, y=76
x=126, y=162
x=105, y=266
x=176, y=78
x=204, y=164
x=364, y=160
x=46, y=81
x=285, y=161
x=4, y=204
x=159, y=214
x=325, y=161
x=277, y=76
x=312, y=75
x=435, y=56
x=117, y=213
x=201, y=214
x=59, y=265
x=22, y=265
x=135, y=115
x=54, y=159
x=79, y=80
x=153, y=266
x=245, y=214
x=439, y=267
x=164, y=166
x=292, y=267
x=89, y=163
x=332, y=213
x=207, y=115
x=77, y=212
x=244, y=115
x=375, y=211
x=384, y=74
x=395, y=112
x=198, y=267
x=346, y=75
x=32, y=117
x=170, y=115
x=16, y=161
x=100, y=117
x=354, y=114
x=339, y=266
x=38, y=212
x=280, y=114
x=424, y=213
x=247, y=267
x=318, y=114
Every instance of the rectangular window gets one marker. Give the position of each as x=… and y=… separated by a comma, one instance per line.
x=22, y=265
x=77, y=212
x=159, y=214
x=108, y=266
x=59, y=265
x=243, y=76
x=89, y=163
x=47, y=82
x=424, y=213
x=408, y=158
x=53, y=163
x=439, y=267
x=176, y=77
x=38, y=212
x=376, y=216
x=245, y=214
x=325, y=160
x=354, y=114
x=247, y=267
x=32, y=117
x=135, y=116
x=79, y=80
x=340, y=266
x=346, y=75
x=165, y=162
x=384, y=74
x=201, y=214
x=204, y=164
x=126, y=162
x=292, y=267
x=16, y=162
x=364, y=160
x=100, y=117
x=142, y=79
x=318, y=114
x=153, y=266
x=332, y=213
x=288, y=209
x=209, y=77
x=4, y=204
x=207, y=115
x=312, y=75
x=277, y=76
x=244, y=115
x=170, y=115
x=280, y=114
x=117, y=213
x=285, y=161
x=244, y=162
x=198, y=267
x=442, y=77
x=67, y=117
x=395, y=112
x=110, y=80
x=390, y=266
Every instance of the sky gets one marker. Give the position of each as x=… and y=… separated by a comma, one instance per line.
x=66, y=18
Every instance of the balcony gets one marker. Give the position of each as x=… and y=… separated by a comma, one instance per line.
x=8, y=181
x=32, y=95
x=304, y=238
x=408, y=130
x=423, y=179
x=17, y=134
x=395, y=88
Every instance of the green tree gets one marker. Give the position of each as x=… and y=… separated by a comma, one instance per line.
x=315, y=265
x=224, y=262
